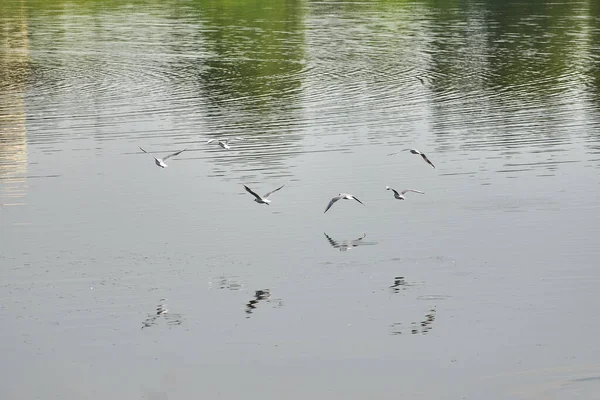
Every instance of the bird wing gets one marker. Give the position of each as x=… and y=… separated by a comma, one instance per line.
x=252, y=193
x=412, y=190
x=395, y=191
x=210, y=141
x=358, y=200
x=332, y=242
x=427, y=160
x=331, y=202
x=145, y=151
x=150, y=154
x=174, y=154
x=271, y=192
x=359, y=239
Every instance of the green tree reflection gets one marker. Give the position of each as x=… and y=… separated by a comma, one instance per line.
x=254, y=64
x=509, y=69
x=14, y=73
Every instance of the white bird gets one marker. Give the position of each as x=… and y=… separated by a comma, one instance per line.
x=340, y=196
x=262, y=199
x=224, y=142
x=161, y=161
x=415, y=151
x=400, y=196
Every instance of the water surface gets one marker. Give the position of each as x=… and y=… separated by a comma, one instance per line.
x=123, y=280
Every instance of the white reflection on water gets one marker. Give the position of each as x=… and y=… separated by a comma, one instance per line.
x=345, y=245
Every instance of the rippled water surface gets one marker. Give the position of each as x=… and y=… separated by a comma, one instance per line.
x=122, y=280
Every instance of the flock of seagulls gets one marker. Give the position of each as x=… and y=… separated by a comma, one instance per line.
x=344, y=245
x=264, y=199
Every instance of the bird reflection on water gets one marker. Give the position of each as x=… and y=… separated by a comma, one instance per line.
x=346, y=245
x=162, y=312
x=263, y=295
x=415, y=328
x=401, y=284
x=225, y=282
x=259, y=295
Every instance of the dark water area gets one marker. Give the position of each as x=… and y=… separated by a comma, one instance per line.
x=123, y=280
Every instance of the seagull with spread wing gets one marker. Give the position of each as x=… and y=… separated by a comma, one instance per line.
x=262, y=199
x=400, y=196
x=224, y=142
x=415, y=151
x=341, y=196
x=161, y=161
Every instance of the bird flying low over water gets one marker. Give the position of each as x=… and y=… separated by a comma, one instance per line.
x=262, y=199
x=224, y=142
x=341, y=196
x=415, y=151
x=161, y=161
x=400, y=196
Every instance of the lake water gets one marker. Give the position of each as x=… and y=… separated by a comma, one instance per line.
x=485, y=287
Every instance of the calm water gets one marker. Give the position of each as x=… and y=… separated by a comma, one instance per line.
x=484, y=287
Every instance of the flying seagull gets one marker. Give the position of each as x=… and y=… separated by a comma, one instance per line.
x=161, y=161
x=400, y=196
x=340, y=196
x=415, y=151
x=224, y=143
x=264, y=199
